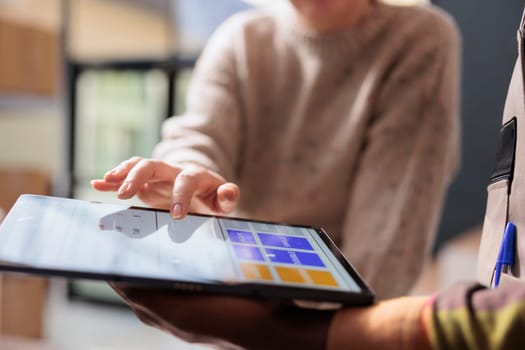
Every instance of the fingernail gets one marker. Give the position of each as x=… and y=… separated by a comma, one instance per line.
x=176, y=211
x=229, y=196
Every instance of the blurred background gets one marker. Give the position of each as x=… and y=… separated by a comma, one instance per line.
x=85, y=84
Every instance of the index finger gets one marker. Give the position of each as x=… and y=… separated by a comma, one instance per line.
x=193, y=181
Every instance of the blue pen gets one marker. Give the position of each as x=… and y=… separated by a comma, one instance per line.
x=506, y=252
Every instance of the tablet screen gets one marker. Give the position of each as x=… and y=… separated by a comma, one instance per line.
x=116, y=242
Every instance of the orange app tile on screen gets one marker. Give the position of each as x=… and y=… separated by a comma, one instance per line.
x=323, y=278
x=256, y=272
x=288, y=274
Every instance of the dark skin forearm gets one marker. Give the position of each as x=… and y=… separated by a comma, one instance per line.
x=244, y=322
x=296, y=328
x=389, y=324
x=260, y=325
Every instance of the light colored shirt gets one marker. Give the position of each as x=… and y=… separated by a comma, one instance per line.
x=355, y=131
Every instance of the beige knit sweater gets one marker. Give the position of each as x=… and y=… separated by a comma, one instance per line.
x=355, y=131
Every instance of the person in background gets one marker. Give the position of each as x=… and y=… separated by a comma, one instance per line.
x=465, y=316
x=341, y=114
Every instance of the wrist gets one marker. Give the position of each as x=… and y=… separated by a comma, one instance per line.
x=389, y=324
x=425, y=340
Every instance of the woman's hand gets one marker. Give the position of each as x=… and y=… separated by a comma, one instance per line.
x=177, y=188
x=228, y=322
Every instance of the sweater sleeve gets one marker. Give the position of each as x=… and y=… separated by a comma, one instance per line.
x=208, y=132
x=469, y=316
x=409, y=157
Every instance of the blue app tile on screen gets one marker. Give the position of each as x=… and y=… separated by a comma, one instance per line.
x=283, y=256
x=272, y=240
x=239, y=236
x=309, y=259
x=248, y=252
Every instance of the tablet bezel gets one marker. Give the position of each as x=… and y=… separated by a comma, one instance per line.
x=247, y=289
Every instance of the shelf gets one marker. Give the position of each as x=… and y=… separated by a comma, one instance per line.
x=9, y=101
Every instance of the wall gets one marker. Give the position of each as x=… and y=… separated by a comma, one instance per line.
x=31, y=138
x=488, y=30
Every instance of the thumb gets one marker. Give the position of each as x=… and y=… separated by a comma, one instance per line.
x=228, y=195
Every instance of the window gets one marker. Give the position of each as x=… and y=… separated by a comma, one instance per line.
x=116, y=106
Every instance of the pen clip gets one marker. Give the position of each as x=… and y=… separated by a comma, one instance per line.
x=506, y=254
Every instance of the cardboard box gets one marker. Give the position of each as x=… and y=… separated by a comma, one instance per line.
x=22, y=299
x=29, y=59
x=11, y=57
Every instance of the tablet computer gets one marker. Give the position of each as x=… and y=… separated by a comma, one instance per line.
x=71, y=238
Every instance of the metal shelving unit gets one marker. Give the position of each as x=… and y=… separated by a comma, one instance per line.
x=170, y=67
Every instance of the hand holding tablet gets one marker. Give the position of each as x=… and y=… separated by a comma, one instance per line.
x=224, y=320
